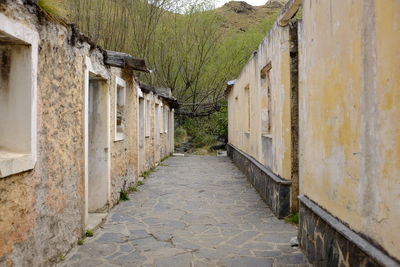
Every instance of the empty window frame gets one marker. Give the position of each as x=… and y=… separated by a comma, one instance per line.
x=120, y=116
x=160, y=118
x=18, y=83
x=246, y=103
x=266, y=100
x=166, y=119
x=148, y=114
x=156, y=119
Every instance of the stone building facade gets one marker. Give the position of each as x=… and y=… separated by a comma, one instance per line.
x=70, y=130
x=261, y=129
x=337, y=80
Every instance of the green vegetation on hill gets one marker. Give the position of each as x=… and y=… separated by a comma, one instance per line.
x=192, y=48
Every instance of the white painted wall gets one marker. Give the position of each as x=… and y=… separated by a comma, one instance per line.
x=99, y=180
x=120, y=99
x=106, y=180
x=141, y=130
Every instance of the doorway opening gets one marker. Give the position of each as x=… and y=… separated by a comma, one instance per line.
x=142, y=155
x=97, y=150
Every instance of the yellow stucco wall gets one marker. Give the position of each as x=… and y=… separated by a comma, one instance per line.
x=349, y=114
x=275, y=49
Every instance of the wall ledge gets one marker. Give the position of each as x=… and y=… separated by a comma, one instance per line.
x=13, y=163
x=273, y=176
x=336, y=236
x=274, y=190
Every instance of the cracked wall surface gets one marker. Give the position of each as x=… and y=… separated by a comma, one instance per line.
x=349, y=122
x=274, y=50
x=270, y=139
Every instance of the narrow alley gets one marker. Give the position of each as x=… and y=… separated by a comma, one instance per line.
x=193, y=211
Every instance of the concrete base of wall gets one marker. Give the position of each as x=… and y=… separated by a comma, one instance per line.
x=274, y=190
x=328, y=242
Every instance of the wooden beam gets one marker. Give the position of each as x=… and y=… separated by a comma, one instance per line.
x=164, y=93
x=125, y=61
x=288, y=12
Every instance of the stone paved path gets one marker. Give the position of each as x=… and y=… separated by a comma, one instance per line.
x=193, y=211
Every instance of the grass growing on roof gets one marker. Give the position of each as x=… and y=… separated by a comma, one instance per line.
x=54, y=9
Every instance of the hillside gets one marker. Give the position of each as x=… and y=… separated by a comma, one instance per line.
x=194, y=54
x=240, y=17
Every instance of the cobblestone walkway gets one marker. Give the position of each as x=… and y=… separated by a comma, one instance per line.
x=193, y=211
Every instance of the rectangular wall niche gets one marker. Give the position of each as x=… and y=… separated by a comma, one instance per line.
x=166, y=119
x=148, y=111
x=120, y=116
x=160, y=118
x=246, y=102
x=266, y=102
x=18, y=71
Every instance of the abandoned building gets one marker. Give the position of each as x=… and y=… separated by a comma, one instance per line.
x=77, y=128
x=314, y=123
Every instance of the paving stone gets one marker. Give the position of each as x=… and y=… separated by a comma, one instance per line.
x=247, y=261
x=297, y=258
x=126, y=248
x=197, y=211
x=112, y=238
x=183, y=260
x=131, y=259
x=278, y=238
x=268, y=253
x=120, y=217
x=163, y=236
x=138, y=234
x=242, y=238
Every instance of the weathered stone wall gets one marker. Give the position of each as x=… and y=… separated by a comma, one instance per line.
x=349, y=119
x=149, y=140
x=43, y=211
x=153, y=153
x=328, y=242
x=124, y=153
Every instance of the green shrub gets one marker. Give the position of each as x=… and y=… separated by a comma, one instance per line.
x=202, y=139
x=123, y=196
x=293, y=218
x=180, y=136
x=132, y=189
x=140, y=183
x=147, y=173
x=81, y=242
x=89, y=233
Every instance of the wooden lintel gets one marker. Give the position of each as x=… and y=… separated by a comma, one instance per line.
x=125, y=61
x=288, y=12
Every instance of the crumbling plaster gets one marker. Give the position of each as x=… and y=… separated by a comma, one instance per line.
x=350, y=135
x=42, y=211
x=274, y=49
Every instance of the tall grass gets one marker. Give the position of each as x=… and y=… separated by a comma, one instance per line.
x=54, y=9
